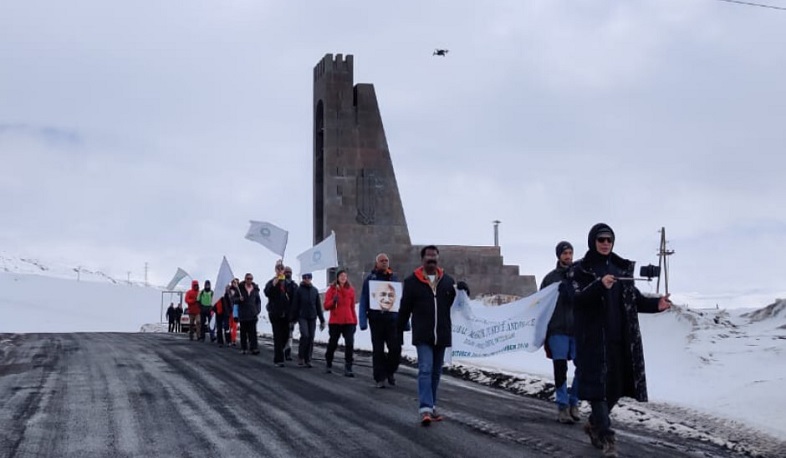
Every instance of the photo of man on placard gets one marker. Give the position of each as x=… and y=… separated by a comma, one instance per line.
x=384, y=295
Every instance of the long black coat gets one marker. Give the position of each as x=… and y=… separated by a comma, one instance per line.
x=429, y=308
x=591, y=302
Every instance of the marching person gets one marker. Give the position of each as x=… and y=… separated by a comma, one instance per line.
x=223, y=312
x=427, y=297
x=194, y=311
x=170, y=316
x=382, y=323
x=340, y=301
x=560, y=343
x=288, y=346
x=206, y=302
x=306, y=308
x=279, y=292
x=178, y=315
x=609, y=353
x=249, y=306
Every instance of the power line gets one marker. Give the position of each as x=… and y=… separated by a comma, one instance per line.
x=760, y=5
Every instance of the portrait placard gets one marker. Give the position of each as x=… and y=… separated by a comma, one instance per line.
x=384, y=295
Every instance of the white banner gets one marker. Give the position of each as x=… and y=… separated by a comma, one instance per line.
x=488, y=330
x=179, y=275
x=269, y=235
x=224, y=278
x=322, y=256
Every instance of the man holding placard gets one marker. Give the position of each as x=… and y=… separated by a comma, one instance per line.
x=379, y=303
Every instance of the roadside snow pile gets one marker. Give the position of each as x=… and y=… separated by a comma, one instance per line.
x=774, y=310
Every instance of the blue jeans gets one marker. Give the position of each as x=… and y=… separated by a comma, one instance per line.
x=563, y=349
x=430, y=359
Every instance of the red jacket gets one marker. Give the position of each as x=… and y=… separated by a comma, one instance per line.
x=191, y=299
x=343, y=312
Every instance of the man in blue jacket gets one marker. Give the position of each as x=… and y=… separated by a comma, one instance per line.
x=383, y=324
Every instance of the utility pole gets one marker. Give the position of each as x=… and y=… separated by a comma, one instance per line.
x=129, y=277
x=146, y=284
x=78, y=271
x=496, y=231
x=663, y=262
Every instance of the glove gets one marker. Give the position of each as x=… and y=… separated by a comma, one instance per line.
x=363, y=326
x=236, y=320
x=463, y=286
x=321, y=325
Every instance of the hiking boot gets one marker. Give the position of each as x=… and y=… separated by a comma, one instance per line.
x=279, y=364
x=348, y=372
x=243, y=352
x=300, y=362
x=328, y=369
x=425, y=419
x=380, y=384
x=564, y=416
x=255, y=352
x=574, y=413
x=392, y=380
x=593, y=435
x=435, y=416
x=610, y=447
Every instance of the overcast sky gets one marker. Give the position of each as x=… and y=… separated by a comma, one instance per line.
x=152, y=131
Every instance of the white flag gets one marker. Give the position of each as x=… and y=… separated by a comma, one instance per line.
x=271, y=236
x=224, y=278
x=179, y=275
x=320, y=257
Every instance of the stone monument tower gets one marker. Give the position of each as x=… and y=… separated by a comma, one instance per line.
x=356, y=194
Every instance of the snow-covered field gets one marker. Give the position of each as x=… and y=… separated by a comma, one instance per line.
x=727, y=364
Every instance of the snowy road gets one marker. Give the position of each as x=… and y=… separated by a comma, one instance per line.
x=128, y=395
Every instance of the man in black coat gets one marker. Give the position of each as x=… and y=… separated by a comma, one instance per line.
x=427, y=297
x=560, y=343
x=383, y=324
x=279, y=292
x=306, y=308
x=609, y=353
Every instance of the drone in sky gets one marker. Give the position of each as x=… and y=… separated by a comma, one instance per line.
x=440, y=52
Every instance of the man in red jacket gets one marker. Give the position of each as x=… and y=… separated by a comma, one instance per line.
x=194, y=311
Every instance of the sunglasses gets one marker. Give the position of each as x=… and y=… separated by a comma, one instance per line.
x=249, y=278
x=604, y=239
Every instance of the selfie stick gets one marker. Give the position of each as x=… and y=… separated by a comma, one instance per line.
x=632, y=279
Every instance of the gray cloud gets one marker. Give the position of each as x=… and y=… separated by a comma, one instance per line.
x=154, y=132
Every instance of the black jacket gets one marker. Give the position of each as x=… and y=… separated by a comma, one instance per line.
x=429, y=308
x=307, y=304
x=279, y=298
x=596, y=310
x=561, y=322
x=249, y=305
x=170, y=313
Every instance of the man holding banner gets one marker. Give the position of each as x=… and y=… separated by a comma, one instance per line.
x=427, y=297
x=560, y=343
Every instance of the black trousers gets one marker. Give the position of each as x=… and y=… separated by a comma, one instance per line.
x=618, y=372
x=383, y=332
x=171, y=327
x=340, y=330
x=248, y=334
x=280, y=327
x=306, y=345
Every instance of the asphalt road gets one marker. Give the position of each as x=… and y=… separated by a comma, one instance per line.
x=134, y=395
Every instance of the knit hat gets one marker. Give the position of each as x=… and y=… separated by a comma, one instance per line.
x=599, y=230
x=562, y=246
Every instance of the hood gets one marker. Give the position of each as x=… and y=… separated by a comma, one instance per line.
x=593, y=234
